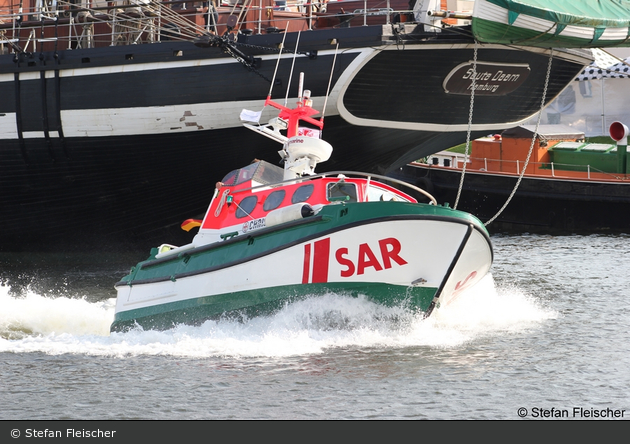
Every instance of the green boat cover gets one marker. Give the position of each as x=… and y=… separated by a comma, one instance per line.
x=553, y=23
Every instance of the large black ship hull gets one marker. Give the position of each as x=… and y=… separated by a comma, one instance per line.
x=539, y=205
x=118, y=143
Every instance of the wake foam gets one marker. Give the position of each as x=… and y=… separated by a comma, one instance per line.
x=310, y=326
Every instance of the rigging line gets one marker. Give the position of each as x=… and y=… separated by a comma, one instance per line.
x=15, y=46
x=243, y=12
x=174, y=17
x=234, y=8
x=531, y=147
x=332, y=70
x=297, y=44
x=186, y=27
x=246, y=213
x=275, y=71
x=470, y=116
x=186, y=24
x=126, y=23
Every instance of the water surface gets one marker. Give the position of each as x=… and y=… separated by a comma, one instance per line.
x=548, y=328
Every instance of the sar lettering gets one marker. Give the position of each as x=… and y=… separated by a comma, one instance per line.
x=388, y=250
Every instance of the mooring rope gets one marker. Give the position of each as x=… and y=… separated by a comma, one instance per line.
x=531, y=146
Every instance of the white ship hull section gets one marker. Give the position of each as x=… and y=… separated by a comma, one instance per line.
x=392, y=252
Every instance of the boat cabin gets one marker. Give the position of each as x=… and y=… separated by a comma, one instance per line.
x=257, y=196
x=507, y=152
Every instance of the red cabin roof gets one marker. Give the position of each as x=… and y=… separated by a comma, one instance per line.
x=248, y=194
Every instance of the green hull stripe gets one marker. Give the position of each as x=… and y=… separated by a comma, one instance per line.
x=258, y=244
x=487, y=31
x=264, y=301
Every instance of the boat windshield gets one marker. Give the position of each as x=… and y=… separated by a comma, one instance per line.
x=261, y=172
x=375, y=193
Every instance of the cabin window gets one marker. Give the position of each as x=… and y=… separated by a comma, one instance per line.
x=274, y=200
x=261, y=172
x=303, y=193
x=246, y=206
x=230, y=178
x=341, y=191
x=241, y=175
x=375, y=193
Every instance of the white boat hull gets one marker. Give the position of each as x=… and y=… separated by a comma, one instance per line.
x=419, y=259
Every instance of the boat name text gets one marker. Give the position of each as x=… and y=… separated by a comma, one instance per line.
x=498, y=76
x=488, y=78
x=254, y=224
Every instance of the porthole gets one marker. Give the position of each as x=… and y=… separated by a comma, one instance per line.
x=303, y=193
x=246, y=206
x=274, y=200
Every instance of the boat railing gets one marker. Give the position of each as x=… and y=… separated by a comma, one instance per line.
x=78, y=24
x=552, y=169
x=342, y=175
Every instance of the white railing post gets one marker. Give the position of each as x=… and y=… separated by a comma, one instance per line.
x=159, y=25
x=310, y=15
x=114, y=33
x=70, y=28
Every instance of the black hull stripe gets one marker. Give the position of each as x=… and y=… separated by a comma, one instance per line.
x=447, y=276
x=187, y=85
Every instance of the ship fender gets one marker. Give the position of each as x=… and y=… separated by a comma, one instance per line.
x=288, y=214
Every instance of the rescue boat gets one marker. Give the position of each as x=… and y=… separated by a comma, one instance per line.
x=274, y=235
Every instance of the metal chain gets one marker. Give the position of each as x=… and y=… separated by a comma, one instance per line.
x=270, y=49
x=470, y=116
x=229, y=47
x=531, y=147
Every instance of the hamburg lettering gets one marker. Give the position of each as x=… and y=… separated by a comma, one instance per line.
x=480, y=87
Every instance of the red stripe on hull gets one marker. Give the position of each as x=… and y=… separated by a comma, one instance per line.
x=307, y=263
x=320, y=261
